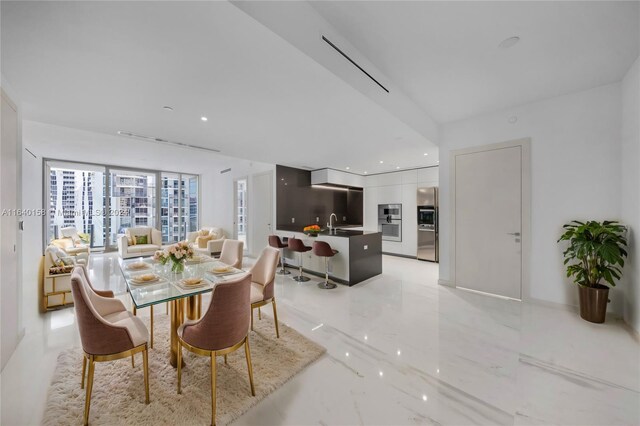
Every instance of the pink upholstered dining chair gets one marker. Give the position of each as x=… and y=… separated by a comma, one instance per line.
x=231, y=254
x=103, y=293
x=263, y=275
x=223, y=329
x=107, y=332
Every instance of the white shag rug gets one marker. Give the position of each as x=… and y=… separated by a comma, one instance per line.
x=118, y=389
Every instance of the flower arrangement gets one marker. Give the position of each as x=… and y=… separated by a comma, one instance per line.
x=311, y=230
x=177, y=253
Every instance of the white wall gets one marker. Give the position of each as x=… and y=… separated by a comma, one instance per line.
x=397, y=188
x=11, y=303
x=575, y=156
x=224, y=190
x=50, y=141
x=631, y=190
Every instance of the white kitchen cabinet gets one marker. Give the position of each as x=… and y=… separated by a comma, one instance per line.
x=398, y=188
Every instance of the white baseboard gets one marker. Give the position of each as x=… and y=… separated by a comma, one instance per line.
x=445, y=283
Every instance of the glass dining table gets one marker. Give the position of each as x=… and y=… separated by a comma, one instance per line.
x=150, y=283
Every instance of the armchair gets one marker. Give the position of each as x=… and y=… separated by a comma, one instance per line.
x=132, y=243
x=71, y=247
x=54, y=277
x=208, y=240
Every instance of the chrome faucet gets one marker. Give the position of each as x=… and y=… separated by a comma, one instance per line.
x=331, y=222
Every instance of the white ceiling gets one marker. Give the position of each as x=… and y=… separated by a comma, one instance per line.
x=109, y=66
x=445, y=55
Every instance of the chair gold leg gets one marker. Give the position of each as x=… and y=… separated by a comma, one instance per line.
x=259, y=314
x=275, y=317
x=225, y=359
x=251, y=319
x=166, y=308
x=84, y=370
x=179, y=364
x=133, y=362
x=145, y=362
x=213, y=388
x=87, y=401
x=247, y=353
x=151, y=326
x=135, y=311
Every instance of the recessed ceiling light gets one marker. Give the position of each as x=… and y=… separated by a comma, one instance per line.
x=381, y=161
x=438, y=161
x=365, y=172
x=167, y=108
x=203, y=118
x=347, y=168
x=426, y=153
x=397, y=167
x=509, y=42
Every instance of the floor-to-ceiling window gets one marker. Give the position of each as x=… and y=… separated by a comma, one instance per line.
x=132, y=201
x=102, y=201
x=241, y=210
x=76, y=198
x=190, y=204
x=179, y=206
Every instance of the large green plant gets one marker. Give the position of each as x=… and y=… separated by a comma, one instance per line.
x=596, y=252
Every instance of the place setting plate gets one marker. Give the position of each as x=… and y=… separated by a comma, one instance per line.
x=198, y=258
x=145, y=279
x=137, y=266
x=192, y=283
x=222, y=270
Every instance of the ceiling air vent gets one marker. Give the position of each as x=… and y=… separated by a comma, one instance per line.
x=225, y=170
x=164, y=141
x=326, y=40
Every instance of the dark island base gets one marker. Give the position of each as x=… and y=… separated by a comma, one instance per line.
x=364, y=263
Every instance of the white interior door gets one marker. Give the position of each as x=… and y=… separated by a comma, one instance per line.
x=488, y=221
x=9, y=230
x=261, y=211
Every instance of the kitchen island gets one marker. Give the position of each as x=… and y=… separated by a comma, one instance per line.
x=359, y=254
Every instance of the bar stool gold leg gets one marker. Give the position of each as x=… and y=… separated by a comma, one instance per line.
x=151, y=326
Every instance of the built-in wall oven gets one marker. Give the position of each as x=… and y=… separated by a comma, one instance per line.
x=428, y=241
x=390, y=221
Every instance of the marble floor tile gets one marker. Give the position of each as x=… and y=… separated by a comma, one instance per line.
x=401, y=350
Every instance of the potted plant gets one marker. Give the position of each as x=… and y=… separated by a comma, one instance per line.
x=594, y=258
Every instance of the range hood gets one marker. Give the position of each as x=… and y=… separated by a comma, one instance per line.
x=336, y=179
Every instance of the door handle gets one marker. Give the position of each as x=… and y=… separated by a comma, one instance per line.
x=516, y=234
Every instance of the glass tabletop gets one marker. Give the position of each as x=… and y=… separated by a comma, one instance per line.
x=166, y=285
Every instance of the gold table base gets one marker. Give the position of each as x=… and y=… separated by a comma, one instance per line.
x=193, y=311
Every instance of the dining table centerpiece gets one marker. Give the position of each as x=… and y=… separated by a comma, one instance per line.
x=311, y=230
x=177, y=253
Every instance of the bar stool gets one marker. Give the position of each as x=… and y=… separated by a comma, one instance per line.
x=274, y=241
x=322, y=249
x=298, y=246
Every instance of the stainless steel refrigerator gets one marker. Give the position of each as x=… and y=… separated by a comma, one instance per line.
x=427, y=216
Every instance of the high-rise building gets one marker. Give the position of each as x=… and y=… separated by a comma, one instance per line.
x=77, y=199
